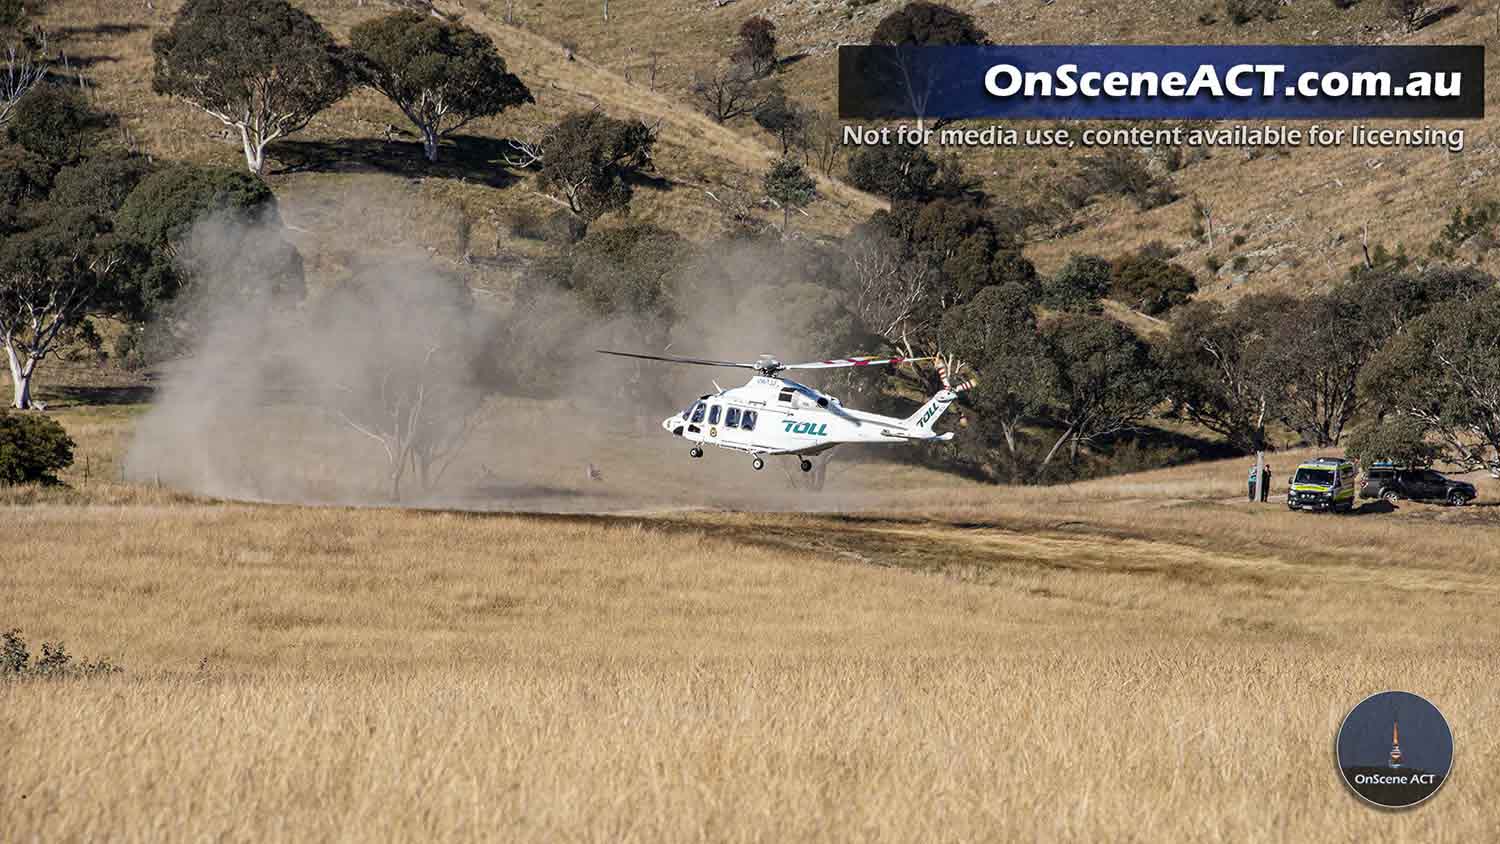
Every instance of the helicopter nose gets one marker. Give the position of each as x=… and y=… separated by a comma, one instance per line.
x=672, y=422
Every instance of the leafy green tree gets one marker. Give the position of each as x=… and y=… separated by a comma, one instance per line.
x=949, y=250
x=246, y=244
x=757, y=45
x=997, y=334
x=442, y=75
x=1401, y=440
x=13, y=13
x=1106, y=383
x=1079, y=285
x=788, y=185
x=627, y=271
x=901, y=172
x=55, y=122
x=25, y=180
x=1317, y=350
x=61, y=261
x=1219, y=369
x=33, y=448
x=590, y=158
x=782, y=118
x=102, y=184
x=1389, y=300
x=1443, y=371
x=263, y=67
x=928, y=25
x=1150, y=285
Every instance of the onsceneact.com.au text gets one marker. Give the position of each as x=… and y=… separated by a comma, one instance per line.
x=1240, y=80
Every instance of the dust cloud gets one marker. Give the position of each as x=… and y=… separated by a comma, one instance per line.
x=391, y=381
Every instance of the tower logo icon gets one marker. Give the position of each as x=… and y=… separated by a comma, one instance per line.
x=1373, y=761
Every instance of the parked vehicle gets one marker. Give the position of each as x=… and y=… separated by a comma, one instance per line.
x=1326, y=483
x=1393, y=484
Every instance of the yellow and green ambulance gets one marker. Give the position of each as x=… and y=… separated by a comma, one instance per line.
x=1327, y=483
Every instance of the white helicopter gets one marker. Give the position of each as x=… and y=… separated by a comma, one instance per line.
x=771, y=415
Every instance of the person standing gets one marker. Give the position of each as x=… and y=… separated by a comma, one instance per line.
x=1265, y=486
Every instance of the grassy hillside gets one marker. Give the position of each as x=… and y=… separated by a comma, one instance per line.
x=346, y=174
x=1301, y=214
x=1300, y=234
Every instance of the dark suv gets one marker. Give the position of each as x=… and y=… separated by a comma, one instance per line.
x=1415, y=484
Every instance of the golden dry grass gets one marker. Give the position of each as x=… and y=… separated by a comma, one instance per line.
x=1111, y=660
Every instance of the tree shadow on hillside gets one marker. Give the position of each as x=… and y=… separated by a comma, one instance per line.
x=66, y=396
x=1435, y=15
x=787, y=61
x=464, y=157
x=653, y=181
x=111, y=29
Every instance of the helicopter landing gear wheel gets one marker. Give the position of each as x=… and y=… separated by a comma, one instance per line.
x=806, y=465
x=758, y=464
x=695, y=452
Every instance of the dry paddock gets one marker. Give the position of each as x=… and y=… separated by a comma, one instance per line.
x=342, y=674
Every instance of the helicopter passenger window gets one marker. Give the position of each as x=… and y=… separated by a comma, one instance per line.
x=713, y=415
x=747, y=421
x=697, y=413
x=732, y=417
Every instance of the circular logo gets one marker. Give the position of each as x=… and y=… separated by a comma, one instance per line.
x=713, y=432
x=1395, y=749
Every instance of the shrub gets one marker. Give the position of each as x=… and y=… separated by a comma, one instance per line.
x=1401, y=440
x=1126, y=173
x=54, y=661
x=1241, y=12
x=1409, y=13
x=1150, y=285
x=564, y=228
x=1079, y=285
x=527, y=225
x=32, y=448
x=1476, y=225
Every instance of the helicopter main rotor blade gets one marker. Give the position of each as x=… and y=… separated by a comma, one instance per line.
x=839, y=363
x=675, y=359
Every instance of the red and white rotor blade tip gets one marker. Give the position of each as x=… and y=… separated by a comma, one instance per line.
x=838, y=363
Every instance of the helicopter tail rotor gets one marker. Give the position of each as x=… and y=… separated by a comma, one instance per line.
x=950, y=370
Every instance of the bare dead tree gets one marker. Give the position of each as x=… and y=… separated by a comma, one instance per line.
x=886, y=285
x=22, y=71
x=727, y=93
x=823, y=142
x=653, y=65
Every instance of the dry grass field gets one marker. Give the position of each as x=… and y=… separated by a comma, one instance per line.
x=1142, y=658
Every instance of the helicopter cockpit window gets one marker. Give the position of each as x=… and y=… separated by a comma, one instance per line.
x=697, y=413
x=747, y=421
x=732, y=417
x=713, y=415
